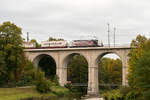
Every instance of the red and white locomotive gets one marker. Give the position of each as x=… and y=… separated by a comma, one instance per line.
x=86, y=43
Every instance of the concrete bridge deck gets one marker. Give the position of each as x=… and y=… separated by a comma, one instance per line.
x=79, y=48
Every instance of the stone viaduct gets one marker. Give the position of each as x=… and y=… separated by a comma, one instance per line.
x=91, y=54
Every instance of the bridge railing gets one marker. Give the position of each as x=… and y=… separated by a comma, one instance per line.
x=118, y=45
x=86, y=84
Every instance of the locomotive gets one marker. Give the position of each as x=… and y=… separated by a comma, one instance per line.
x=85, y=43
x=65, y=44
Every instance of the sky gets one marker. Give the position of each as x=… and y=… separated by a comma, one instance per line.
x=79, y=19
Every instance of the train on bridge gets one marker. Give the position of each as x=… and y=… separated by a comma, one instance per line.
x=65, y=44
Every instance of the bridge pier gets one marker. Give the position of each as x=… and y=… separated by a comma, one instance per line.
x=62, y=75
x=124, y=75
x=125, y=59
x=93, y=88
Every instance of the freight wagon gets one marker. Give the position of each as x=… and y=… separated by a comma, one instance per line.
x=54, y=44
x=29, y=45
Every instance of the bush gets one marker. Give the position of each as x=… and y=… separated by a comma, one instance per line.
x=43, y=86
x=124, y=90
x=113, y=95
x=39, y=75
x=133, y=95
x=55, y=80
x=68, y=85
x=25, y=81
x=28, y=75
x=146, y=94
x=124, y=93
x=27, y=78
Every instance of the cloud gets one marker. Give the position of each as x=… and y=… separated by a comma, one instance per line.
x=71, y=19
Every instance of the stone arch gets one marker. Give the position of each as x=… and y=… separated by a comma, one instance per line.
x=123, y=59
x=70, y=55
x=47, y=64
x=38, y=57
x=99, y=56
x=62, y=70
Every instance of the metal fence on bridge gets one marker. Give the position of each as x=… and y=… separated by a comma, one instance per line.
x=86, y=84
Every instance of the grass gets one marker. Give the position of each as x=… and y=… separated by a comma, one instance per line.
x=27, y=92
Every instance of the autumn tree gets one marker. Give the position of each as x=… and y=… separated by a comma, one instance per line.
x=135, y=53
x=139, y=67
x=11, y=52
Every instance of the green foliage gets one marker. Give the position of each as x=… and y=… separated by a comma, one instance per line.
x=77, y=70
x=3, y=71
x=11, y=55
x=76, y=89
x=113, y=95
x=124, y=90
x=139, y=67
x=77, y=73
x=55, y=80
x=43, y=86
x=124, y=93
x=27, y=75
x=55, y=39
x=59, y=90
x=132, y=95
x=134, y=55
x=110, y=72
x=68, y=85
x=30, y=93
x=36, y=43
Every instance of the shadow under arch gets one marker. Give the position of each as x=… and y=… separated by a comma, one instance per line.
x=69, y=56
x=47, y=64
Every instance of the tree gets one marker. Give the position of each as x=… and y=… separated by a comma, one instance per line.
x=142, y=72
x=11, y=50
x=77, y=69
x=110, y=71
x=55, y=39
x=135, y=54
x=2, y=68
x=77, y=72
x=139, y=67
x=36, y=43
